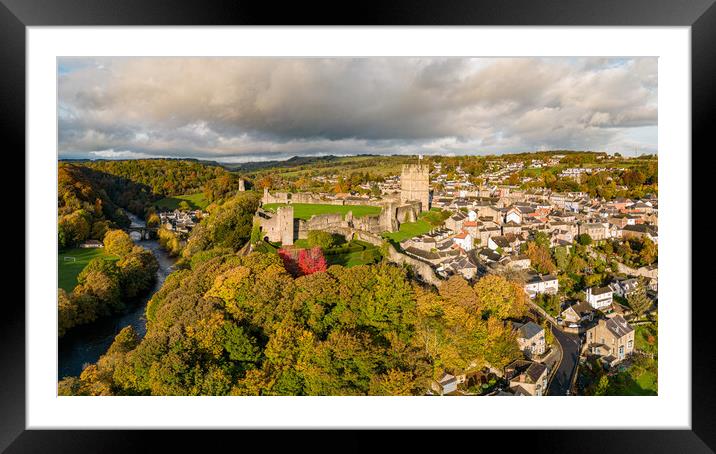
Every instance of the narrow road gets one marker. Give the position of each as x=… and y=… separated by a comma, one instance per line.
x=563, y=377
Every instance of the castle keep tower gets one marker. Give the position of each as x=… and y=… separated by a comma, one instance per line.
x=415, y=185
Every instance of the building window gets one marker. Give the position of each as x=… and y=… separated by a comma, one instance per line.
x=630, y=343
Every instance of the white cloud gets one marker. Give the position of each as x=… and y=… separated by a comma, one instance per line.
x=124, y=154
x=222, y=108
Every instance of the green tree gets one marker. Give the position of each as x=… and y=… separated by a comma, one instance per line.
x=561, y=257
x=324, y=240
x=548, y=334
x=584, y=239
x=638, y=301
x=542, y=239
x=602, y=388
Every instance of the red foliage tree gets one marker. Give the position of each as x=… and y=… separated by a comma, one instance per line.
x=311, y=261
x=289, y=258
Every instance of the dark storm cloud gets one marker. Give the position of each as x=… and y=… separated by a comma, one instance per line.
x=229, y=108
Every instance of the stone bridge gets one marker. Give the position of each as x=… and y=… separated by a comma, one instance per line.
x=141, y=233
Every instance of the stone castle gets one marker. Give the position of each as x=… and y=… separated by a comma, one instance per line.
x=281, y=226
x=415, y=185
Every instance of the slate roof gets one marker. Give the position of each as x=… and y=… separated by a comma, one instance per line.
x=640, y=228
x=601, y=290
x=529, y=330
x=618, y=326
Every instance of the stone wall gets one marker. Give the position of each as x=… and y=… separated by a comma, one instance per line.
x=309, y=197
x=420, y=268
x=323, y=222
x=643, y=271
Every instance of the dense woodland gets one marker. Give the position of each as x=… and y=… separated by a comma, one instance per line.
x=170, y=177
x=242, y=324
x=89, y=203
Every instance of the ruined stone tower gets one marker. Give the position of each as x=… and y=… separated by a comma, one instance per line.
x=387, y=220
x=415, y=185
x=284, y=224
x=242, y=185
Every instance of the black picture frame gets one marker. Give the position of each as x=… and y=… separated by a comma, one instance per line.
x=16, y=15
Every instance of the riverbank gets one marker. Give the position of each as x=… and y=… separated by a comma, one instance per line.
x=85, y=344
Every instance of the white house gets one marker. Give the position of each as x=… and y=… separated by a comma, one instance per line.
x=513, y=215
x=91, y=244
x=541, y=284
x=464, y=240
x=599, y=297
x=446, y=385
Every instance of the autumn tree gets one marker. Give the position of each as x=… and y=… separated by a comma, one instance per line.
x=540, y=258
x=393, y=383
x=311, y=261
x=648, y=252
x=118, y=242
x=500, y=298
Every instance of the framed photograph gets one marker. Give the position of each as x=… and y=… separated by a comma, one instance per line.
x=243, y=218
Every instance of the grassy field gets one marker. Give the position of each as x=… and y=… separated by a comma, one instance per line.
x=647, y=384
x=376, y=165
x=646, y=338
x=409, y=230
x=196, y=201
x=306, y=210
x=68, y=270
x=425, y=223
x=365, y=257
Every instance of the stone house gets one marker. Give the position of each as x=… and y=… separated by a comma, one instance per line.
x=640, y=231
x=464, y=241
x=597, y=231
x=527, y=378
x=577, y=312
x=531, y=339
x=611, y=339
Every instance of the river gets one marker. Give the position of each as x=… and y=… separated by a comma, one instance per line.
x=85, y=344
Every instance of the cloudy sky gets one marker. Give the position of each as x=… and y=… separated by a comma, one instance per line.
x=239, y=109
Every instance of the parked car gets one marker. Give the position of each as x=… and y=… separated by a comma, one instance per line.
x=574, y=325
